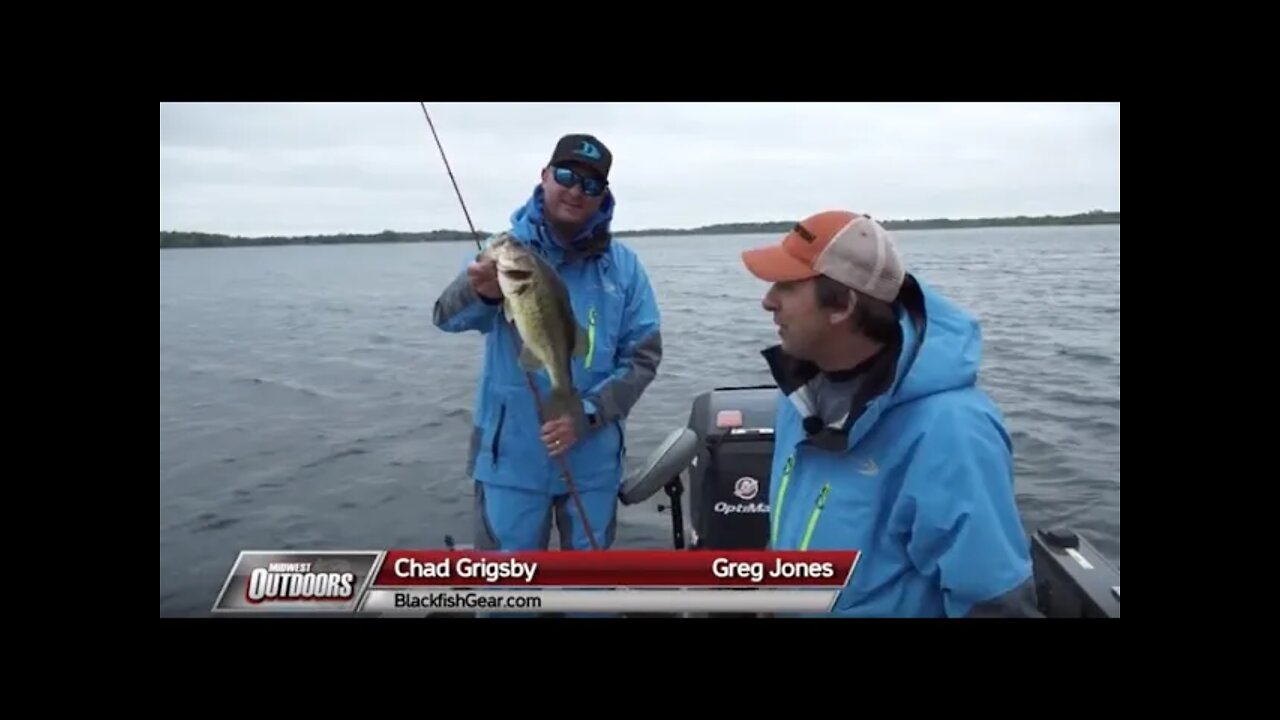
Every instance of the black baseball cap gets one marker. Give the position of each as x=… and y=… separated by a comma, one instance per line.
x=584, y=150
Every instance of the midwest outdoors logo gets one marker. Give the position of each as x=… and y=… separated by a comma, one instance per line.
x=326, y=581
x=588, y=150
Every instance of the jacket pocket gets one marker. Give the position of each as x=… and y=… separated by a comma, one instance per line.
x=496, y=441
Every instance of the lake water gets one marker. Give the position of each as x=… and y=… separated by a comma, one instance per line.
x=306, y=400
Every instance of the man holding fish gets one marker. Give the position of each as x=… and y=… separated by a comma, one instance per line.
x=555, y=293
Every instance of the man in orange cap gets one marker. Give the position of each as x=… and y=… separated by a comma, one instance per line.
x=883, y=441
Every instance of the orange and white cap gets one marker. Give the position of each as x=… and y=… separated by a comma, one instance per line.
x=847, y=247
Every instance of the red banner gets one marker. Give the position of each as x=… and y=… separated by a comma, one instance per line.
x=634, y=568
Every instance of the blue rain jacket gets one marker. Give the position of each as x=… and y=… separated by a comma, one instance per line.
x=613, y=301
x=922, y=484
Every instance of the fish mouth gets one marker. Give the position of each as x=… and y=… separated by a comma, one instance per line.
x=518, y=274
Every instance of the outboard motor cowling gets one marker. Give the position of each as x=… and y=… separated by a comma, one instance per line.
x=729, y=480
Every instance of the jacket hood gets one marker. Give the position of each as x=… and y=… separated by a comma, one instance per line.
x=592, y=239
x=938, y=349
x=941, y=349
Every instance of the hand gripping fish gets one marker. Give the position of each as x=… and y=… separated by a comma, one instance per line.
x=536, y=301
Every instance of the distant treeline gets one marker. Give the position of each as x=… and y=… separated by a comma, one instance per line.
x=171, y=239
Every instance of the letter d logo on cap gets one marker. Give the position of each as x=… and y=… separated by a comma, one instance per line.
x=589, y=150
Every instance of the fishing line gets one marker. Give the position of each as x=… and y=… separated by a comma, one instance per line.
x=537, y=399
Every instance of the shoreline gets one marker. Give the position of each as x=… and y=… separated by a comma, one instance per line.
x=170, y=239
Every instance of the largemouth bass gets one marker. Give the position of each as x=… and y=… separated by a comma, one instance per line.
x=536, y=301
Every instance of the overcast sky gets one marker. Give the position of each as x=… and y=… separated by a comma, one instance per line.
x=319, y=168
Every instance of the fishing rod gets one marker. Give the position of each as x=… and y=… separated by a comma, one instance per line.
x=537, y=399
x=448, y=169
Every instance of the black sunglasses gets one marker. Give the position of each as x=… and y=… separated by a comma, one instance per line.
x=568, y=177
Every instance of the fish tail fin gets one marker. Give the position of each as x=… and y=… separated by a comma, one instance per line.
x=565, y=401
